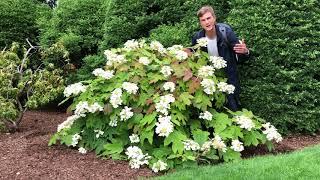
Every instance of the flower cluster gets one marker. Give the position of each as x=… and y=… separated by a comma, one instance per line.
x=126, y=113
x=113, y=122
x=144, y=60
x=169, y=86
x=206, y=115
x=208, y=85
x=164, y=126
x=83, y=107
x=271, y=132
x=136, y=156
x=166, y=71
x=227, y=88
x=181, y=55
x=202, y=42
x=115, y=98
x=245, y=122
x=191, y=145
x=236, y=145
x=164, y=104
x=134, y=138
x=74, y=89
x=114, y=58
x=218, y=62
x=67, y=123
x=75, y=139
x=159, y=166
x=82, y=150
x=156, y=45
x=102, y=73
x=206, y=71
x=131, y=88
x=131, y=45
x=98, y=133
x=217, y=143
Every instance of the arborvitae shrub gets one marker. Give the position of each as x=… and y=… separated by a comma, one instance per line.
x=17, y=21
x=282, y=83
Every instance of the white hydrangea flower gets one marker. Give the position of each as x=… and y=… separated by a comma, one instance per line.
x=134, y=138
x=102, y=73
x=159, y=166
x=208, y=85
x=131, y=45
x=206, y=71
x=202, y=42
x=237, y=146
x=136, y=156
x=245, y=122
x=206, y=146
x=126, y=113
x=227, y=88
x=164, y=126
x=113, y=122
x=218, y=62
x=206, y=115
x=81, y=108
x=95, y=107
x=142, y=43
x=131, y=88
x=67, y=123
x=74, y=89
x=164, y=104
x=115, y=98
x=181, y=55
x=82, y=150
x=174, y=48
x=113, y=58
x=166, y=71
x=75, y=139
x=156, y=45
x=191, y=145
x=144, y=60
x=98, y=133
x=271, y=132
x=218, y=143
x=169, y=86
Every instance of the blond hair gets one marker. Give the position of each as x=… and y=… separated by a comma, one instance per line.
x=204, y=10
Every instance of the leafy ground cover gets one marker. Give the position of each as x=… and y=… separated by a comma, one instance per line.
x=26, y=155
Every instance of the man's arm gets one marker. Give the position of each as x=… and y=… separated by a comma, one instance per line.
x=239, y=46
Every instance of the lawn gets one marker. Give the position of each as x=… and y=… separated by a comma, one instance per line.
x=303, y=164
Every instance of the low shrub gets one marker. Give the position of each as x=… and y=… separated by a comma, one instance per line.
x=156, y=106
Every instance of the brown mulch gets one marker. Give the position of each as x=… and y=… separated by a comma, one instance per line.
x=26, y=155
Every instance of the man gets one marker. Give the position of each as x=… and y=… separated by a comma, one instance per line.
x=224, y=44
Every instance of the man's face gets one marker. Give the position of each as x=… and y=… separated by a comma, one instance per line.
x=207, y=21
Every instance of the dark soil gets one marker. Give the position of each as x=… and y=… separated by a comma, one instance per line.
x=26, y=155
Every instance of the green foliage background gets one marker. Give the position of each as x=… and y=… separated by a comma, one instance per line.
x=282, y=83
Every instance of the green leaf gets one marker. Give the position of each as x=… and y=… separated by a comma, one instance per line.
x=202, y=101
x=220, y=122
x=53, y=140
x=148, y=119
x=162, y=152
x=178, y=117
x=231, y=155
x=231, y=132
x=176, y=138
x=251, y=137
x=146, y=135
x=195, y=124
x=113, y=148
x=185, y=97
x=200, y=136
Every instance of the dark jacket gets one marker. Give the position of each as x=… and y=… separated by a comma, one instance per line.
x=225, y=50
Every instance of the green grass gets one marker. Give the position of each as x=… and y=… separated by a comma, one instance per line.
x=304, y=164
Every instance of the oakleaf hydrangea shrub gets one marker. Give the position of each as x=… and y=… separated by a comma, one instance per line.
x=157, y=107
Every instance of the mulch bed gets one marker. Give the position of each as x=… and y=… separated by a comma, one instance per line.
x=26, y=155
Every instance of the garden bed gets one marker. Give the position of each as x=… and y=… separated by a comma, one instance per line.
x=26, y=155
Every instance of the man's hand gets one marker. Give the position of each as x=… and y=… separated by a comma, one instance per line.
x=241, y=48
x=188, y=51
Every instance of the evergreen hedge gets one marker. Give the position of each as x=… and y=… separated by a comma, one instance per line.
x=282, y=83
x=17, y=21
